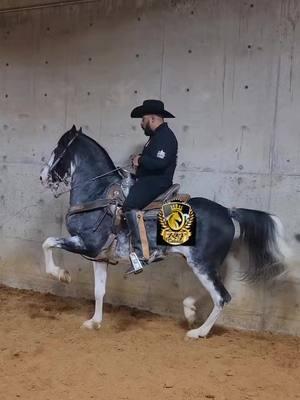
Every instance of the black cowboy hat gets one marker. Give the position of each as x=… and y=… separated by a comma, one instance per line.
x=149, y=107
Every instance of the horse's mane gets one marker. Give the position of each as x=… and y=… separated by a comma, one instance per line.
x=99, y=146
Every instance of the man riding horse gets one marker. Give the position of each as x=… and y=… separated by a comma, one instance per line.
x=91, y=220
x=154, y=169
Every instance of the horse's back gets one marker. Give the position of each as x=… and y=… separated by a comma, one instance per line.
x=206, y=205
x=212, y=218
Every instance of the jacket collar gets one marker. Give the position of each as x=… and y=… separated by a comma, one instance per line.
x=159, y=128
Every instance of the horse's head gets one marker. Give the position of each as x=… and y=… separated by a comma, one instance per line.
x=58, y=168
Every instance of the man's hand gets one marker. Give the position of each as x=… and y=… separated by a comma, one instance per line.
x=135, y=160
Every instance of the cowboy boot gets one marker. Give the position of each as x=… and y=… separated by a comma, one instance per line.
x=136, y=258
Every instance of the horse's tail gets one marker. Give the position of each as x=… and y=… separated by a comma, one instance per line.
x=264, y=236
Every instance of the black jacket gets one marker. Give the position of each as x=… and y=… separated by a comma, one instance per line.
x=159, y=156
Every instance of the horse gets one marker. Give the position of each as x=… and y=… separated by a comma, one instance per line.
x=88, y=172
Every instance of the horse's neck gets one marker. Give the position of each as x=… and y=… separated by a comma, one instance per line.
x=87, y=166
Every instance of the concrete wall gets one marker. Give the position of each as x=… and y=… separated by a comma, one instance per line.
x=230, y=73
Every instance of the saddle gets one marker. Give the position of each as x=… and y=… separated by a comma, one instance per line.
x=151, y=211
x=170, y=194
x=113, y=200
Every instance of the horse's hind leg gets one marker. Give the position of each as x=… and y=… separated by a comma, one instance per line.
x=100, y=272
x=73, y=244
x=219, y=295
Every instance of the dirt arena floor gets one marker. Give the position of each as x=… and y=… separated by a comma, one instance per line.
x=135, y=356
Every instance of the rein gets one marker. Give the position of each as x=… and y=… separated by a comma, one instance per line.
x=56, y=195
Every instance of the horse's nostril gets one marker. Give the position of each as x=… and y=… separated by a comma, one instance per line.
x=41, y=178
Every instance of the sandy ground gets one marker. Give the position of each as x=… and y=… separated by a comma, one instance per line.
x=135, y=356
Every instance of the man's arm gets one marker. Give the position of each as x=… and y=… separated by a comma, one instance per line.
x=160, y=157
x=154, y=163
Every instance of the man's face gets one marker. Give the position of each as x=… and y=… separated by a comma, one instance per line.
x=146, y=125
x=145, y=121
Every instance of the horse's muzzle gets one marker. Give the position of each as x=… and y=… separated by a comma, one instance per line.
x=44, y=176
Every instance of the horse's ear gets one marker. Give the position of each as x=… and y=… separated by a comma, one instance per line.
x=80, y=130
x=73, y=129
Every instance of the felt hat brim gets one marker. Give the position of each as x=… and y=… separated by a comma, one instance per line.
x=140, y=111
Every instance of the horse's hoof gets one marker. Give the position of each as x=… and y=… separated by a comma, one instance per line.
x=195, y=334
x=64, y=276
x=191, y=335
x=91, y=325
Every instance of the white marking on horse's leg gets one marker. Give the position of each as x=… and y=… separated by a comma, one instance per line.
x=189, y=309
x=51, y=268
x=204, y=329
x=285, y=252
x=100, y=272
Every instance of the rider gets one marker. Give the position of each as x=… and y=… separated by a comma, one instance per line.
x=154, y=167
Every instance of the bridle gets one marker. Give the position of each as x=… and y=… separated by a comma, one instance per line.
x=62, y=180
x=60, y=158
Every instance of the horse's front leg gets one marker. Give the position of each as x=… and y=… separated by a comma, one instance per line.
x=73, y=244
x=100, y=272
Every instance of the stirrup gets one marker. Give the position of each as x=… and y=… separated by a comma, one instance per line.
x=136, y=265
x=155, y=256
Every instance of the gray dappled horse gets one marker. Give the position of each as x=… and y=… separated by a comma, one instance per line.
x=82, y=163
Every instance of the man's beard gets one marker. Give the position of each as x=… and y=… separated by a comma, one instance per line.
x=147, y=130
